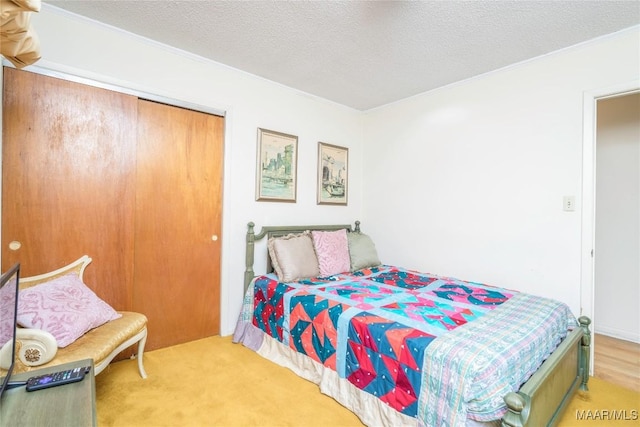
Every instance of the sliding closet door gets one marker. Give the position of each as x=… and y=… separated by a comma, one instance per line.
x=134, y=184
x=178, y=223
x=68, y=169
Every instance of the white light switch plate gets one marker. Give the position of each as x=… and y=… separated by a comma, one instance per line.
x=569, y=203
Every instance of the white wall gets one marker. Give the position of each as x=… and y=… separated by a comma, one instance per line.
x=468, y=180
x=465, y=181
x=617, y=265
x=74, y=45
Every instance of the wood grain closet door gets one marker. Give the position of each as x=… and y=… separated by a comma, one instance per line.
x=68, y=169
x=178, y=223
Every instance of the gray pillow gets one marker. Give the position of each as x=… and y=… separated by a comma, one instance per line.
x=293, y=257
x=362, y=251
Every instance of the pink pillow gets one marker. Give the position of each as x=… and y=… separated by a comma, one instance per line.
x=332, y=250
x=7, y=301
x=64, y=307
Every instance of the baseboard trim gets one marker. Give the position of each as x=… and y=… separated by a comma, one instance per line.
x=619, y=334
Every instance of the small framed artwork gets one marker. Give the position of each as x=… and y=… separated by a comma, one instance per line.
x=333, y=174
x=276, y=175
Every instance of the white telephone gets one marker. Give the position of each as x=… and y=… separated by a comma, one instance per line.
x=34, y=347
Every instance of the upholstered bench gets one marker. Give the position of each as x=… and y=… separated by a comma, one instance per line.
x=36, y=348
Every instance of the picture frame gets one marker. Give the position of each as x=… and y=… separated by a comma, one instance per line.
x=277, y=168
x=333, y=174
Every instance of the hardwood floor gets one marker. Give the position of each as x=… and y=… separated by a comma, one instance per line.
x=617, y=361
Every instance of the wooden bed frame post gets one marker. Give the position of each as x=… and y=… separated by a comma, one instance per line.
x=586, y=351
x=518, y=406
x=248, y=272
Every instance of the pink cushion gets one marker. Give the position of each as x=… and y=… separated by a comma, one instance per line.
x=332, y=250
x=64, y=307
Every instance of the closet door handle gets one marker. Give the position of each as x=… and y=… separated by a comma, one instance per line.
x=15, y=245
x=214, y=237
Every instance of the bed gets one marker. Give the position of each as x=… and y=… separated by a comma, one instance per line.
x=401, y=347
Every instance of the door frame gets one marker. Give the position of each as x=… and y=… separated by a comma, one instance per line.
x=118, y=88
x=588, y=249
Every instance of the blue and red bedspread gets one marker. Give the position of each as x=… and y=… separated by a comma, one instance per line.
x=383, y=328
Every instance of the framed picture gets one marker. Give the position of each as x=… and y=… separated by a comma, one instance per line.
x=276, y=176
x=333, y=174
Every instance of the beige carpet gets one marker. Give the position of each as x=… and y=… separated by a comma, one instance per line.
x=213, y=382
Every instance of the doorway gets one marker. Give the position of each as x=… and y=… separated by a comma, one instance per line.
x=617, y=240
x=602, y=212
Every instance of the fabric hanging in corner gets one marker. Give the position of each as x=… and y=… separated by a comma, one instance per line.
x=19, y=43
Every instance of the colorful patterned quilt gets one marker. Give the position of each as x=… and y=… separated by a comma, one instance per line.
x=377, y=327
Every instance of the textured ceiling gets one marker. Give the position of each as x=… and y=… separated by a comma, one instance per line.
x=364, y=54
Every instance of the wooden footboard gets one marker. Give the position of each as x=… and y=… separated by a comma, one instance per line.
x=542, y=399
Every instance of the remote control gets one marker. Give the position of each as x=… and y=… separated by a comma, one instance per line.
x=57, y=378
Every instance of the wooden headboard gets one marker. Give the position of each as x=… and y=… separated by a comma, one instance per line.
x=277, y=231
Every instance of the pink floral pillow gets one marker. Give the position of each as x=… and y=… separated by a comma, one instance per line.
x=64, y=307
x=332, y=250
x=7, y=306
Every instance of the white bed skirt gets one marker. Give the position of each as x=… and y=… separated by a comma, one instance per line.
x=371, y=410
